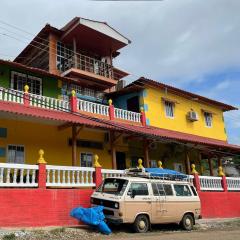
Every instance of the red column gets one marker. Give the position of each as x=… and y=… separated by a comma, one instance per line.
x=42, y=176
x=26, y=99
x=143, y=117
x=224, y=184
x=98, y=176
x=73, y=102
x=196, y=182
x=111, y=109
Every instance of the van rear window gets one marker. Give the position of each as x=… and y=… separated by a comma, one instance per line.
x=182, y=190
x=194, y=191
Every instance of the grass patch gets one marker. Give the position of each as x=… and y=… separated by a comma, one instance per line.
x=57, y=231
x=10, y=236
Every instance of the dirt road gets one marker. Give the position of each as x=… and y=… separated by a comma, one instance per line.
x=197, y=235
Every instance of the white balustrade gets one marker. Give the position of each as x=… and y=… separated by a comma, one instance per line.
x=112, y=173
x=233, y=183
x=65, y=176
x=10, y=95
x=127, y=115
x=190, y=178
x=18, y=175
x=49, y=103
x=94, y=108
x=210, y=183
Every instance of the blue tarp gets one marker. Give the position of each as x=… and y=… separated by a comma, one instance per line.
x=163, y=172
x=92, y=216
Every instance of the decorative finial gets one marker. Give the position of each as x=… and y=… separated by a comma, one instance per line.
x=110, y=102
x=96, y=163
x=41, y=159
x=140, y=161
x=26, y=88
x=220, y=171
x=194, y=171
x=160, y=164
x=141, y=109
x=73, y=93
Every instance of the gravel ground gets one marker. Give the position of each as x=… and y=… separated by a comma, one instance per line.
x=120, y=232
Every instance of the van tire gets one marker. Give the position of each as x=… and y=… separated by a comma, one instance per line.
x=187, y=222
x=141, y=224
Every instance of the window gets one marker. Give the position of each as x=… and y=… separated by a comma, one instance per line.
x=15, y=154
x=160, y=189
x=64, y=57
x=169, y=109
x=140, y=189
x=182, y=190
x=19, y=80
x=86, y=159
x=153, y=163
x=208, y=119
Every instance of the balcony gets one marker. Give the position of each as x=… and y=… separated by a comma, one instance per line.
x=74, y=105
x=80, y=65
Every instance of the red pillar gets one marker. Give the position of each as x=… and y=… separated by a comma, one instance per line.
x=224, y=184
x=26, y=99
x=73, y=102
x=111, y=109
x=196, y=182
x=42, y=176
x=98, y=176
x=143, y=117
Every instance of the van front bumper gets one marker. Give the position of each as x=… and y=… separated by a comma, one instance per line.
x=114, y=220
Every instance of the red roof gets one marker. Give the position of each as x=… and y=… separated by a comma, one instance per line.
x=81, y=119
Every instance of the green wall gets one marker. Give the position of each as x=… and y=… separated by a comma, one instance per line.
x=49, y=85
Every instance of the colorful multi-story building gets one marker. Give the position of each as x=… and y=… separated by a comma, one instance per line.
x=63, y=94
x=145, y=119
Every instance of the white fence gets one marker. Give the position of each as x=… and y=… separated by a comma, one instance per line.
x=65, y=176
x=18, y=175
x=94, y=108
x=210, y=183
x=48, y=103
x=112, y=173
x=127, y=115
x=233, y=183
x=10, y=95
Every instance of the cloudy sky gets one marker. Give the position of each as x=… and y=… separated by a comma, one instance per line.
x=192, y=44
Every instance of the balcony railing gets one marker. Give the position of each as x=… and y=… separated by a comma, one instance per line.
x=10, y=95
x=88, y=64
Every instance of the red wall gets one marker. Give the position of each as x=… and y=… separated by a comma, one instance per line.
x=220, y=204
x=40, y=207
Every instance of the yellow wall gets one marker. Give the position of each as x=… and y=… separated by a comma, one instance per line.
x=34, y=136
x=156, y=115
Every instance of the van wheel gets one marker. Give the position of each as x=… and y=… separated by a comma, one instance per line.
x=141, y=224
x=187, y=222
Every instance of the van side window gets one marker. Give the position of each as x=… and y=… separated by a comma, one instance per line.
x=194, y=191
x=182, y=190
x=162, y=189
x=141, y=189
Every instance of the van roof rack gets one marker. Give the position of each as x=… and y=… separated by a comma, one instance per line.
x=156, y=173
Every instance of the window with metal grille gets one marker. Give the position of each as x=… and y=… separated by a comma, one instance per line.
x=169, y=109
x=19, y=80
x=208, y=119
x=86, y=159
x=64, y=57
x=15, y=154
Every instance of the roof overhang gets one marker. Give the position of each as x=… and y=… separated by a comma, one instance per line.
x=95, y=36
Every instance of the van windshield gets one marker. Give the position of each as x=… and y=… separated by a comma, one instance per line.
x=113, y=186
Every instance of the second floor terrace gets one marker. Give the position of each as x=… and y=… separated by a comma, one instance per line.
x=73, y=105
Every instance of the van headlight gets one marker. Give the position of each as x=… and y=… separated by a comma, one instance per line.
x=116, y=205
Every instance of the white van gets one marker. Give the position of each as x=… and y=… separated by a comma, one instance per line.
x=143, y=201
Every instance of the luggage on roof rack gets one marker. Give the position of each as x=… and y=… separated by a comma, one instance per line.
x=156, y=173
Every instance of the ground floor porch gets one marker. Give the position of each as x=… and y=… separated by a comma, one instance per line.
x=69, y=144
